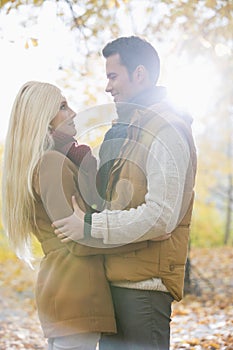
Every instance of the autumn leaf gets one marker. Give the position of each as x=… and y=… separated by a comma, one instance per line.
x=34, y=41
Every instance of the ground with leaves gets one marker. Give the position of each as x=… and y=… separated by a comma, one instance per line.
x=203, y=321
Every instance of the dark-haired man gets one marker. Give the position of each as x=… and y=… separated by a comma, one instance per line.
x=146, y=176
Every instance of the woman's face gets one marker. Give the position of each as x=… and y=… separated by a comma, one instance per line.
x=63, y=121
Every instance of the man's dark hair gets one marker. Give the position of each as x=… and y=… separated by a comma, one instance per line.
x=134, y=51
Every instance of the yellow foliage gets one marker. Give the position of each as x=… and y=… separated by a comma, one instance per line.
x=5, y=251
x=211, y=3
x=4, y=2
x=113, y=3
x=18, y=3
x=36, y=248
x=207, y=226
x=1, y=154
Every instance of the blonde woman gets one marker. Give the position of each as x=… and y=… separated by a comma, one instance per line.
x=72, y=293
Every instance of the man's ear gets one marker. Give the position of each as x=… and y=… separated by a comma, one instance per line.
x=140, y=73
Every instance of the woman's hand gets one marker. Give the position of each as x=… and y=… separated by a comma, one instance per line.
x=70, y=228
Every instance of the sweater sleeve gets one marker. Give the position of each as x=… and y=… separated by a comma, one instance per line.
x=166, y=170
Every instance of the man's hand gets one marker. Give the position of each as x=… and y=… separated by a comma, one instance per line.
x=70, y=228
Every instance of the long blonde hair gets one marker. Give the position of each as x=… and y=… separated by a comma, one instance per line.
x=28, y=138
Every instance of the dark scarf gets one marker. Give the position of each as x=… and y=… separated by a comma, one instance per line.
x=80, y=155
x=116, y=135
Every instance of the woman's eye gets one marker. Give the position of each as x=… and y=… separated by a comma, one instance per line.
x=63, y=106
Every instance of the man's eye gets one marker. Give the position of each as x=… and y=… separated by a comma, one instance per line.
x=112, y=77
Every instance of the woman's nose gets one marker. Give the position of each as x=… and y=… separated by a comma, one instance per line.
x=72, y=113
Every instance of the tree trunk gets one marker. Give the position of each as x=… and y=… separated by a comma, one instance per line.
x=229, y=209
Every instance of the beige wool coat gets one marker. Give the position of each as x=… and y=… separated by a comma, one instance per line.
x=72, y=292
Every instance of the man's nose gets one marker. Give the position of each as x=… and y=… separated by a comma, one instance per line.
x=108, y=87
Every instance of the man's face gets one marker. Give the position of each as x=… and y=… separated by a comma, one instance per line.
x=121, y=86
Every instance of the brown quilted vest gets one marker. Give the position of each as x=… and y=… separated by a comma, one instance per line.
x=127, y=187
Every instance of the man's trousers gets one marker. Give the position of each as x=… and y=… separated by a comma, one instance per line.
x=143, y=320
